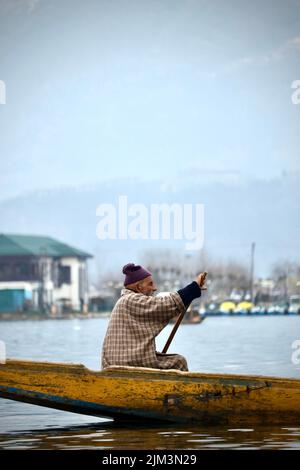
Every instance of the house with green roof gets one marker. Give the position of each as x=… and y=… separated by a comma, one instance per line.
x=41, y=273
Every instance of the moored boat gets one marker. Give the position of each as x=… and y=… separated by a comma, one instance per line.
x=152, y=394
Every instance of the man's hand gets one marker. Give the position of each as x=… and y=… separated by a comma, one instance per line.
x=201, y=280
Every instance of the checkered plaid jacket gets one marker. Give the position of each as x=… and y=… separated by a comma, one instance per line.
x=135, y=322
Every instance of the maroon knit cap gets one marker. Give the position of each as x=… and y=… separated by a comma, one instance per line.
x=134, y=273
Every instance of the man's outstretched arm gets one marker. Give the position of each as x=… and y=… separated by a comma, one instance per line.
x=192, y=291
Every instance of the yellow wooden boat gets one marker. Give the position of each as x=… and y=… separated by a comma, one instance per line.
x=151, y=394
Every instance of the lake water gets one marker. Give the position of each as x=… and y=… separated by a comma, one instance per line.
x=241, y=345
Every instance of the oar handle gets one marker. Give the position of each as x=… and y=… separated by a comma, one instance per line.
x=175, y=328
x=178, y=321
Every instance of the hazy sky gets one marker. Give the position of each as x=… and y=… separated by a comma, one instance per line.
x=112, y=88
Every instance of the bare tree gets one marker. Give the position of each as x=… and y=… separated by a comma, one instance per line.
x=286, y=275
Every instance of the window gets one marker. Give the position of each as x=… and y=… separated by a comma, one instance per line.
x=22, y=269
x=64, y=275
x=5, y=271
x=3, y=268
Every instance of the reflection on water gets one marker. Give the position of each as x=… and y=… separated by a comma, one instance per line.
x=239, y=345
x=112, y=435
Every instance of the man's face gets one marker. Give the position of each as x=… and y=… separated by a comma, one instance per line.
x=146, y=286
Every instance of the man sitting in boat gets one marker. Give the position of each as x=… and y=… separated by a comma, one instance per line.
x=139, y=316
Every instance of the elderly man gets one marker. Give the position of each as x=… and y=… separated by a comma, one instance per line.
x=139, y=316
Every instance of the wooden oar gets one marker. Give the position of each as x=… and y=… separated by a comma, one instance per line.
x=175, y=328
x=178, y=321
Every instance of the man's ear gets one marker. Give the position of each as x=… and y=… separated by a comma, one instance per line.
x=138, y=287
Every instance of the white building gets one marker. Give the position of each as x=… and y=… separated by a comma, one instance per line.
x=40, y=272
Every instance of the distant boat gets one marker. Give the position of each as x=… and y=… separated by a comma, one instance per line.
x=190, y=318
x=132, y=393
x=229, y=308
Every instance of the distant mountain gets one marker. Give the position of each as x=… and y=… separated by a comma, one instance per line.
x=236, y=214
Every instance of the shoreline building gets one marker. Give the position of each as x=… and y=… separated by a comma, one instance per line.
x=42, y=274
